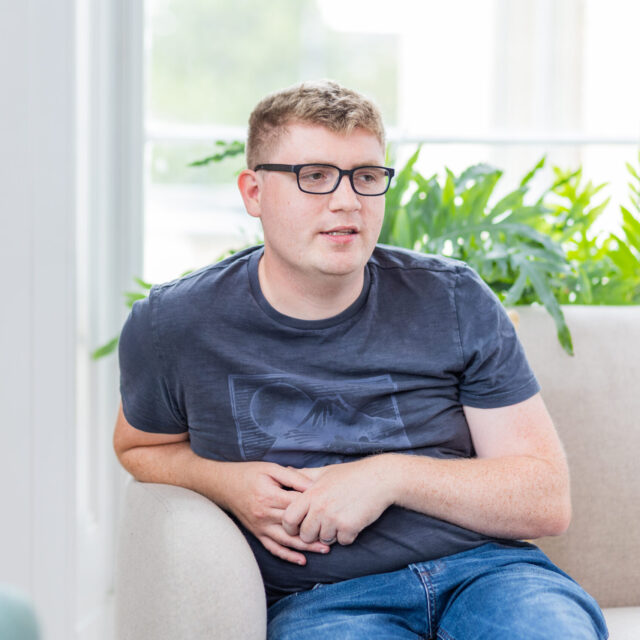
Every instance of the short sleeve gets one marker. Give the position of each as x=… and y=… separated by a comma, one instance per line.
x=147, y=400
x=495, y=370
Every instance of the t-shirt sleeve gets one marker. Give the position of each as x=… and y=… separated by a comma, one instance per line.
x=147, y=400
x=495, y=370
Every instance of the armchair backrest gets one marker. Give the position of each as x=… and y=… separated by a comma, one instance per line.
x=594, y=400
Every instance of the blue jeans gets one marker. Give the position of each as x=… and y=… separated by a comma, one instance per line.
x=493, y=592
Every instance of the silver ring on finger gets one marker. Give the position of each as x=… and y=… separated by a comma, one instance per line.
x=330, y=541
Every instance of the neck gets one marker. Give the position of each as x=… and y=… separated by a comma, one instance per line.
x=308, y=298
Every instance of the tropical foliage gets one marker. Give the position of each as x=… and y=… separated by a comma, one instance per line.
x=541, y=250
x=529, y=250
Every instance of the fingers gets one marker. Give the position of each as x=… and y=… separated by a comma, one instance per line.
x=290, y=477
x=309, y=529
x=282, y=552
x=328, y=535
x=281, y=499
x=309, y=525
x=294, y=542
x=346, y=537
x=284, y=546
x=294, y=514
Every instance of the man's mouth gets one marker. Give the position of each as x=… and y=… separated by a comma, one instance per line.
x=340, y=232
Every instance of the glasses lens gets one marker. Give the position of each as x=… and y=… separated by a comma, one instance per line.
x=317, y=178
x=371, y=181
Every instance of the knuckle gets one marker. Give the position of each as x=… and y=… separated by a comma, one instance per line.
x=258, y=512
x=346, y=539
x=261, y=498
x=287, y=522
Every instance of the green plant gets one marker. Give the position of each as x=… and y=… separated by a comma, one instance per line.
x=626, y=253
x=455, y=217
x=226, y=150
x=130, y=297
x=543, y=251
x=607, y=264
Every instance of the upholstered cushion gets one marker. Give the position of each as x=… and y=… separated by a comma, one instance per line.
x=184, y=570
x=623, y=622
x=594, y=399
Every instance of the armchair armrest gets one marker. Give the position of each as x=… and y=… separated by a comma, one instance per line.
x=184, y=570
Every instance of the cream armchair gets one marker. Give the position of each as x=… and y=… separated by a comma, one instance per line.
x=184, y=571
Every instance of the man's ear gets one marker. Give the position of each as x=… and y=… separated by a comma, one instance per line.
x=250, y=189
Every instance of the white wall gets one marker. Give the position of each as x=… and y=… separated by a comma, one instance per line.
x=69, y=243
x=37, y=333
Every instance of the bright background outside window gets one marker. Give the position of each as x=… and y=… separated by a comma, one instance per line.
x=498, y=81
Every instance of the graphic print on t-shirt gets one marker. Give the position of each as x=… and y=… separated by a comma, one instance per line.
x=315, y=421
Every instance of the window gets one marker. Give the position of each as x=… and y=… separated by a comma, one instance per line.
x=475, y=80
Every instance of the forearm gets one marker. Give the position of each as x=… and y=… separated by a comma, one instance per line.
x=255, y=492
x=178, y=465
x=510, y=497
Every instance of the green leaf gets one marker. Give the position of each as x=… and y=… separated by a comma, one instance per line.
x=231, y=149
x=533, y=171
x=528, y=214
x=632, y=171
x=105, y=349
x=631, y=228
x=545, y=293
x=133, y=296
x=449, y=191
x=515, y=291
x=562, y=185
x=401, y=230
x=475, y=199
x=586, y=293
x=508, y=203
x=475, y=173
x=393, y=198
x=143, y=284
x=624, y=258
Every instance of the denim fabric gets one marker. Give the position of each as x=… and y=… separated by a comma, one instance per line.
x=495, y=592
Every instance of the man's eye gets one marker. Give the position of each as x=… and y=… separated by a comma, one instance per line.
x=369, y=177
x=314, y=176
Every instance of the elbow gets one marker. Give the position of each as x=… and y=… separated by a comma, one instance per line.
x=120, y=446
x=560, y=523
x=565, y=515
x=121, y=454
x=557, y=517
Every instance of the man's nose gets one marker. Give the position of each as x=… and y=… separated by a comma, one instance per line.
x=344, y=197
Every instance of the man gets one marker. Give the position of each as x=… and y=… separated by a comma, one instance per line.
x=365, y=414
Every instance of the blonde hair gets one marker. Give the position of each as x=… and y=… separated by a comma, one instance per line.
x=324, y=103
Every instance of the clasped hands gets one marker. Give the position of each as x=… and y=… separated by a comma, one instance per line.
x=291, y=510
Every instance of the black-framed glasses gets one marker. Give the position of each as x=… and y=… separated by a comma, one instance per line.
x=325, y=178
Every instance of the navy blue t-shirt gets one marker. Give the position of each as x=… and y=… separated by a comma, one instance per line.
x=209, y=355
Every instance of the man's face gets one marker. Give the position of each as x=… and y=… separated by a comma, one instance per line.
x=332, y=234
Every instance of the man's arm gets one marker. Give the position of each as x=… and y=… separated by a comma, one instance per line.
x=517, y=487
x=255, y=492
